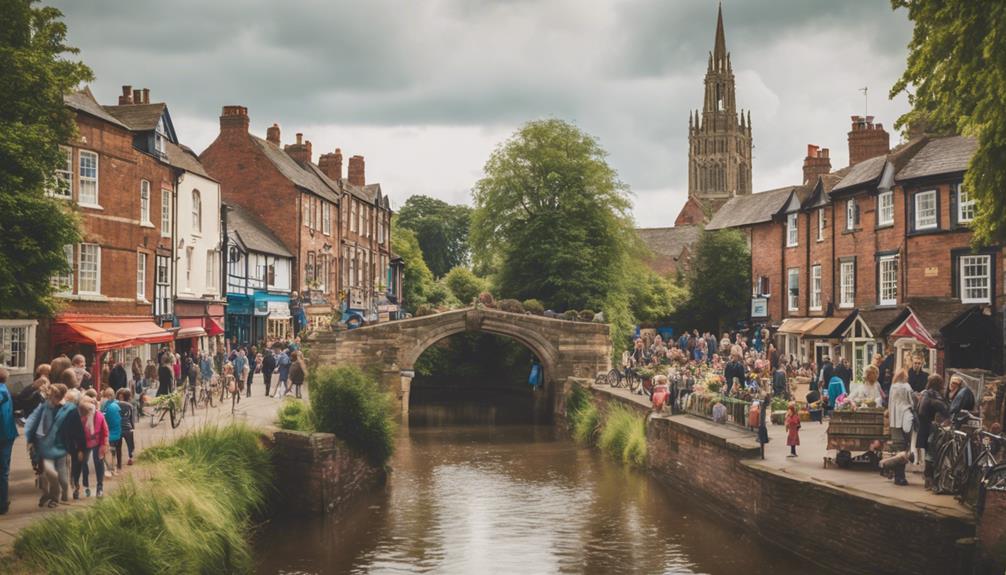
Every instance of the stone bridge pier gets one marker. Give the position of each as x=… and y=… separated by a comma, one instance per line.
x=564, y=348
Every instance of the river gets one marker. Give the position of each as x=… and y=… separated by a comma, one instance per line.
x=513, y=498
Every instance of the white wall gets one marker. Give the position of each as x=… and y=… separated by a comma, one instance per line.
x=207, y=239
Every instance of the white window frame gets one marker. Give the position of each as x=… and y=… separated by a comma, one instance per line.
x=847, y=284
x=792, y=231
x=793, y=299
x=851, y=219
x=969, y=204
x=984, y=261
x=887, y=280
x=62, y=284
x=197, y=213
x=190, y=253
x=166, y=213
x=85, y=181
x=820, y=224
x=145, y=203
x=326, y=219
x=26, y=339
x=212, y=270
x=885, y=208
x=62, y=181
x=927, y=225
x=141, y=276
x=81, y=272
x=815, y=287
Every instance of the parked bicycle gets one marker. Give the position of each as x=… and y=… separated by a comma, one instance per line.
x=170, y=406
x=966, y=458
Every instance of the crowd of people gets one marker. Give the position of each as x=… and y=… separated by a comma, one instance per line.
x=76, y=433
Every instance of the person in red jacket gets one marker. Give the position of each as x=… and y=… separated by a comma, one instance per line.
x=792, y=428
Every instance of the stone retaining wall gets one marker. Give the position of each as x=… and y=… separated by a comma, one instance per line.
x=316, y=473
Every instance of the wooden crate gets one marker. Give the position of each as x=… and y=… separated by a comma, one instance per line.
x=860, y=423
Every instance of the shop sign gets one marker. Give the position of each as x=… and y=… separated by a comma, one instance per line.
x=759, y=307
x=278, y=309
x=387, y=308
x=932, y=272
x=262, y=307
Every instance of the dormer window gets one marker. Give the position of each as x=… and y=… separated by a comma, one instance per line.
x=792, y=232
x=159, y=137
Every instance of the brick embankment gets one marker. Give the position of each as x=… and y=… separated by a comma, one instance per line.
x=845, y=521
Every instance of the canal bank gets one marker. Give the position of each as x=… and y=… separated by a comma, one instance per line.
x=847, y=522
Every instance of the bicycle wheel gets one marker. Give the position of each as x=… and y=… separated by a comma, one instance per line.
x=973, y=482
x=209, y=398
x=153, y=416
x=634, y=383
x=614, y=378
x=177, y=415
x=949, y=468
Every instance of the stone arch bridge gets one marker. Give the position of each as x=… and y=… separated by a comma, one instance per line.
x=565, y=348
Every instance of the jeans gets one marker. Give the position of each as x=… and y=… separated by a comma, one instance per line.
x=251, y=375
x=130, y=444
x=5, y=450
x=267, y=379
x=79, y=467
x=54, y=478
x=116, y=447
x=99, y=468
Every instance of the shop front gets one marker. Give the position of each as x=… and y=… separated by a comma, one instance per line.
x=99, y=338
x=272, y=316
x=198, y=325
x=240, y=315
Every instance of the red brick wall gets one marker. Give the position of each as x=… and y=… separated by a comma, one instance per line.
x=766, y=242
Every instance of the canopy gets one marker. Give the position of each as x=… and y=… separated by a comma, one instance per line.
x=212, y=326
x=799, y=325
x=190, y=332
x=106, y=333
x=912, y=327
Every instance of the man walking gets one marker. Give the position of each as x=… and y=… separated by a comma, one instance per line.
x=268, y=366
x=8, y=433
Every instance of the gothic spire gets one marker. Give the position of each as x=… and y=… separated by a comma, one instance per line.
x=720, y=50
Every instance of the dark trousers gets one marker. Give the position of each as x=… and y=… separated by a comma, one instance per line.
x=127, y=436
x=5, y=451
x=251, y=375
x=267, y=378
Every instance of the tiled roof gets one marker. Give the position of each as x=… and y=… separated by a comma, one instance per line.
x=669, y=241
x=940, y=156
x=862, y=173
x=253, y=233
x=139, y=117
x=750, y=209
x=84, y=101
x=183, y=157
x=879, y=319
x=291, y=170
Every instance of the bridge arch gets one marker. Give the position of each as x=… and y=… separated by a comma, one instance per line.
x=565, y=348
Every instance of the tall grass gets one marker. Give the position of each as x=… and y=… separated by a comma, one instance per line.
x=623, y=435
x=586, y=423
x=349, y=403
x=187, y=512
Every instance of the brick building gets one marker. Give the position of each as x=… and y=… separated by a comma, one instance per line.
x=877, y=255
x=337, y=229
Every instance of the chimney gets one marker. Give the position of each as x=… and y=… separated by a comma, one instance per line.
x=146, y=95
x=301, y=151
x=127, y=96
x=234, y=119
x=355, y=174
x=137, y=96
x=817, y=163
x=272, y=134
x=331, y=164
x=867, y=140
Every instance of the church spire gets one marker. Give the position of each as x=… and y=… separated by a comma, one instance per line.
x=720, y=49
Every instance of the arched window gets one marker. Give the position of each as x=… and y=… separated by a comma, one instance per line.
x=197, y=212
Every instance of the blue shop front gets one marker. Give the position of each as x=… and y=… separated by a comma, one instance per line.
x=258, y=317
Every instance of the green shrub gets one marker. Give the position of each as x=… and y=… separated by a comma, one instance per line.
x=585, y=424
x=635, y=446
x=439, y=295
x=486, y=299
x=348, y=403
x=424, y=309
x=571, y=315
x=578, y=398
x=623, y=435
x=534, y=306
x=510, y=305
x=295, y=415
x=465, y=285
x=587, y=315
x=189, y=515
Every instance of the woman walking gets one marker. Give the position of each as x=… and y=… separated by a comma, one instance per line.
x=792, y=428
x=96, y=441
x=43, y=432
x=298, y=370
x=931, y=404
x=113, y=418
x=126, y=410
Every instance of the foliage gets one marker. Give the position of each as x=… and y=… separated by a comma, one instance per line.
x=348, y=403
x=417, y=281
x=510, y=305
x=486, y=299
x=720, y=280
x=33, y=123
x=295, y=415
x=190, y=514
x=587, y=315
x=552, y=216
x=652, y=298
x=577, y=399
x=440, y=295
x=955, y=83
x=571, y=315
x=533, y=306
x=442, y=231
x=623, y=435
x=585, y=423
x=465, y=285
x=424, y=309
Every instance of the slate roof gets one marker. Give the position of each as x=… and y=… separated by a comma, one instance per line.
x=940, y=156
x=139, y=117
x=253, y=233
x=83, y=100
x=862, y=173
x=308, y=179
x=669, y=241
x=184, y=158
x=879, y=319
x=751, y=209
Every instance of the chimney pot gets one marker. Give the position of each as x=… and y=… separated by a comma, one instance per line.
x=356, y=173
x=234, y=119
x=127, y=96
x=811, y=151
x=137, y=96
x=146, y=95
x=825, y=153
x=867, y=140
x=300, y=138
x=272, y=134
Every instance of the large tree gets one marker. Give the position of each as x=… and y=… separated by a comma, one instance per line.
x=442, y=231
x=33, y=123
x=719, y=280
x=553, y=218
x=955, y=82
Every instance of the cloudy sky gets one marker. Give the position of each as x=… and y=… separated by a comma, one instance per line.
x=426, y=89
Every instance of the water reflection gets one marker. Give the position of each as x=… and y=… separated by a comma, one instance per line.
x=514, y=499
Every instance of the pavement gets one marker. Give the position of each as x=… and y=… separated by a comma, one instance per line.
x=809, y=464
x=256, y=411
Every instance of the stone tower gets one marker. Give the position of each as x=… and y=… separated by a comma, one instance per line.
x=719, y=139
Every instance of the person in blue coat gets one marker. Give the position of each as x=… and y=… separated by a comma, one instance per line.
x=43, y=432
x=8, y=433
x=836, y=387
x=534, y=378
x=283, y=364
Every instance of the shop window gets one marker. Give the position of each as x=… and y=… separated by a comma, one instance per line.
x=17, y=345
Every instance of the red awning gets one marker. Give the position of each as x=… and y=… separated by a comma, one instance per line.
x=912, y=327
x=106, y=333
x=213, y=326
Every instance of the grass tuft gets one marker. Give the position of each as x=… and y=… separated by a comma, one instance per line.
x=623, y=435
x=295, y=415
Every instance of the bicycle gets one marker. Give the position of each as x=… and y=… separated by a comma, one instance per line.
x=980, y=468
x=952, y=446
x=206, y=390
x=167, y=405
